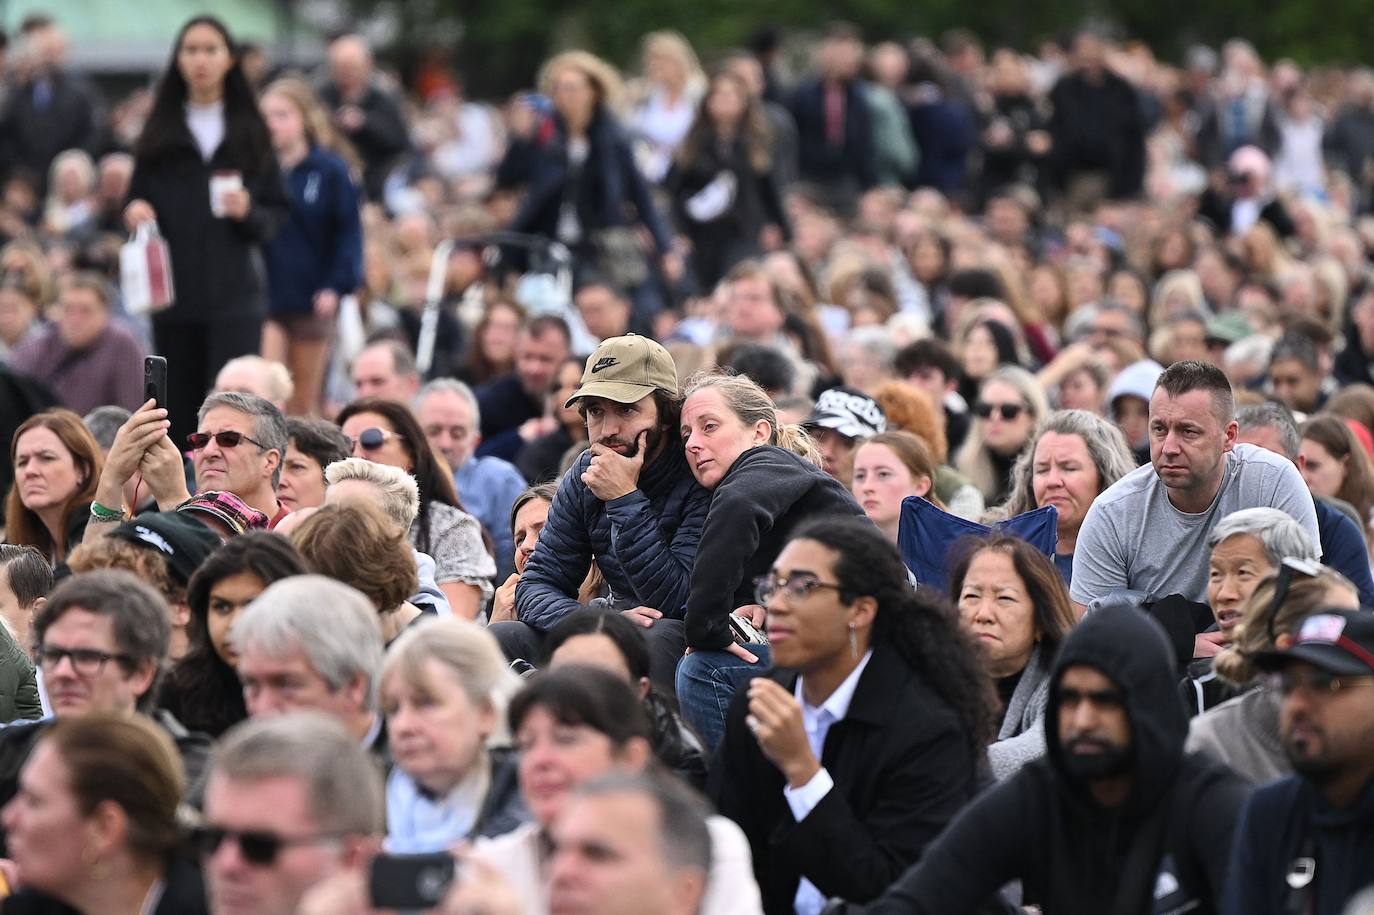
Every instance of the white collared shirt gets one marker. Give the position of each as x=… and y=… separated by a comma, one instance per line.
x=817, y=722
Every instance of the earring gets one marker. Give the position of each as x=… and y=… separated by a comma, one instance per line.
x=853, y=642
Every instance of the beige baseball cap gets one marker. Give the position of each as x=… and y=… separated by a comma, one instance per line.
x=626, y=369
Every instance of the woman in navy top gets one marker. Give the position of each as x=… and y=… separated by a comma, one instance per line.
x=317, y=256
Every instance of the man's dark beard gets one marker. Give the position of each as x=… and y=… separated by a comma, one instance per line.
x=651, y=440
x=1316, y=771
x=1109, y=761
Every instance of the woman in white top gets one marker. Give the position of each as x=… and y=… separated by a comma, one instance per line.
x=673, y=86
x=571, y=726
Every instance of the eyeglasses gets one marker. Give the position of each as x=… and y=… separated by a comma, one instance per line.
x=371, y=439
x=87, y=662
x=1287, y=570
x=798, y=587
x=1318, y=682
x=257, y=846
x=227, y=439
x=1007, y=411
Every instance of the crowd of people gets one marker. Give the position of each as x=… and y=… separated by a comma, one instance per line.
x=908, y=477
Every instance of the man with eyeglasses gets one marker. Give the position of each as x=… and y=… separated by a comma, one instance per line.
x=1114, y=818
x=290, y=801
x=101, y=640
x=1306, y=842
x=238, y=446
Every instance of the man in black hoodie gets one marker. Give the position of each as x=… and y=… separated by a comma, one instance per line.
x=1115, y=819
x=1306, y=842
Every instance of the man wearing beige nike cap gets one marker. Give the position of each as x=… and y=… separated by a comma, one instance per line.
x=629, y=502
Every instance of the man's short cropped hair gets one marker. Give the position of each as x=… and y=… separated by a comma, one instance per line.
x=1190, y=375
x=269, y=425
x=1276, y=416
x=683, y=834
x=451, y=386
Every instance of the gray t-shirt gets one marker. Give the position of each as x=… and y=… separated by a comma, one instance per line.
x=1133, y=539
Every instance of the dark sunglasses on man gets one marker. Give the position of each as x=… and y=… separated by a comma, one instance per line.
x=370, y=439
x=258, y=847
x=225, y=439
x=1008, y=411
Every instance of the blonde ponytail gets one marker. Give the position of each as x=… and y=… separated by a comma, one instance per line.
x=796, y=439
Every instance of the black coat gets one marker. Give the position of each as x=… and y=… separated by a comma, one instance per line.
x=183, y=893
x=611, y=191
x=1098, y=127
x=217, y=266
x=380, y=140
x=505, y=406
x=1072, y=855
x=1216, y=209
x=1279, y=819
x=851, y=165
x=720, y=243
x=902, y=769
x=31, y=138
x=764, y=495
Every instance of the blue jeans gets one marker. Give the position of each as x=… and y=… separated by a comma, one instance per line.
x=707, y=680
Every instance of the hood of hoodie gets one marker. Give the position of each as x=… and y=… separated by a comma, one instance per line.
x=1133, y=651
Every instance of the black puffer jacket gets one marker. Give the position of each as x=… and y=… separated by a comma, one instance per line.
x=644, y=543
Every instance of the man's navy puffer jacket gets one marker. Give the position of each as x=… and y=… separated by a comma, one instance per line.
x=645, y=543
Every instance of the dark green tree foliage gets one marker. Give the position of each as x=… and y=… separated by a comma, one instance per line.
x=503, y=42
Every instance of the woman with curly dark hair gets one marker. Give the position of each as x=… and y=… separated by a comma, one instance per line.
x=882, y=682
x=203, y=691
x=388, y=433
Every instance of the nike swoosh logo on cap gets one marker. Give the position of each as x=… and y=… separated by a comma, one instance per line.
x=605, y=363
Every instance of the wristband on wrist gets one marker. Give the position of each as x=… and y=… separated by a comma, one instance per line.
x=101, y=513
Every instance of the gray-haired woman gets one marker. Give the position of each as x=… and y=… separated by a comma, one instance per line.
x=1247, y=546
x=1072, y=458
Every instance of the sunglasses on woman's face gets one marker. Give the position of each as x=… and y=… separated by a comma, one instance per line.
x=1007, y=411
x=370, y=439
x=226, y=439
x=258, y=847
